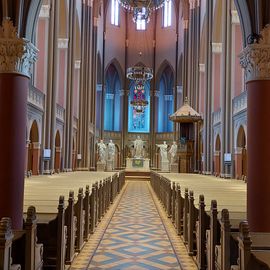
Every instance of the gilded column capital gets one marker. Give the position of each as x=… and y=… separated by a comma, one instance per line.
x=16, y=54
x=255, y=58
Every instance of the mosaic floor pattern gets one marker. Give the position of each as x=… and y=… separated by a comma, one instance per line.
x=134, y=237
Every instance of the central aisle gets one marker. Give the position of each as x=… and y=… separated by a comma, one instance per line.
x=135, y=237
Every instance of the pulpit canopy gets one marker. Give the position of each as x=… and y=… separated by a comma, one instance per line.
x=185, y=114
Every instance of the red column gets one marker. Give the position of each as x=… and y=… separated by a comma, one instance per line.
x=13, y=96
x=258, y=144
x=255, y=60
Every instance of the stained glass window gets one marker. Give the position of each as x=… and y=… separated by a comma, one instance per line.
x=139, y=107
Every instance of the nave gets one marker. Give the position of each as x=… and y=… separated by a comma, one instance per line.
x=135, y=231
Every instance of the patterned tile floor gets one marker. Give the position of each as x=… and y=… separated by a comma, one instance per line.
x=134, y=236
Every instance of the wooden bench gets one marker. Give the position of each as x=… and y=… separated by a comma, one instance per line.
x=53, y=235
x=26, y=240
x=254, y=250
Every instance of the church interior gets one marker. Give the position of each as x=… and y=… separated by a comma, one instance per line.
x=134, y=134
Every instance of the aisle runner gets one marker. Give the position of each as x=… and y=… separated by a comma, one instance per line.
x=135, y=237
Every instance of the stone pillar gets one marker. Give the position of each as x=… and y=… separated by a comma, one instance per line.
x=207, y=153
x=16, y=58
x=255, y=60
x=70, y=87
x=35, y=157
x=50, y=117
x=226, y=107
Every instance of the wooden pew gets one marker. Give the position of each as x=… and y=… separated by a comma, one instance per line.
x=86, y=208
x=53, y=236
x=79, y=213
x=227, y=251
x=202, y=225
x=212, y=236
x=93, y=209
x=70, y=223
x=193, y=213
x=254, y=250
x=26, y=240
x=179, y=211
x=6, y=237
x=185, y=217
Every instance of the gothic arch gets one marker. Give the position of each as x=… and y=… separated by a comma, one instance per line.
x=57, y=139
x=33, y=149
x=31, y=18
x=161, y=69
x=119, y=70
x=217, y=143
x=58, y=150
x=241, y=137
x=245, y=19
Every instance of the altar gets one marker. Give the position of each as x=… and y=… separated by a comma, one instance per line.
x=137, y=164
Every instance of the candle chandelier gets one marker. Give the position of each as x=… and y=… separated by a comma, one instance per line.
x=141, y=8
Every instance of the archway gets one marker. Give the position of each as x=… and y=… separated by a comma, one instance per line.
x=57, y=145
x=113, y=111
x=217, y=156
x=165, y=98
x=241, y=155
x=34, y=150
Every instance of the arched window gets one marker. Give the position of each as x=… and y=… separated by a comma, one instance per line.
x=115, y=12
x=165, y=104
x=167, y=13
x=113, y=107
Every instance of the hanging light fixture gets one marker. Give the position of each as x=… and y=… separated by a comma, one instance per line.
x=141, y=8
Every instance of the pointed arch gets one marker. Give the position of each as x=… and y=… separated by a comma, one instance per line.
x=57, y=158
x=217, y=143
x=113, y=101
x=164, y=65
x=34, y=149
x=241, y=137
x=119, y=69
x=34, y=132
x=165, y=97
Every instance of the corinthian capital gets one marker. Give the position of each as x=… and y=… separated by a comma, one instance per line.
x=16, y=54
x=255, y=58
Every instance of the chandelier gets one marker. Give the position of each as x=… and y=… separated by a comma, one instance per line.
x=139, y=73
x=139, y=102
x=141, y=8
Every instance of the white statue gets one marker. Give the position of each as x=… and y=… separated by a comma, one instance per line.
x=111, y=150
x=172, y=152
x=163, y=151
x=102, y=151
x=138, y=147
